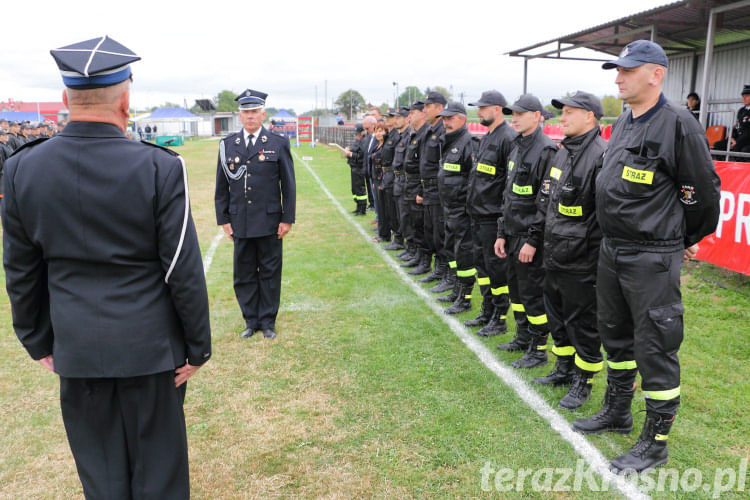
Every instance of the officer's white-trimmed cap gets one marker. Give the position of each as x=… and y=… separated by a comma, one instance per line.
x=99, y=62
x=251, y=99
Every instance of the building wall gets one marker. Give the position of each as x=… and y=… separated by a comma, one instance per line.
x=730, y=71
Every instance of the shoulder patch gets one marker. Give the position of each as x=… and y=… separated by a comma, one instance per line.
x=173, y=153
x=29, y=144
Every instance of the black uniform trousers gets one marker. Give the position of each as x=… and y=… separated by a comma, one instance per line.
x=458, y=242
x=127, y=436
x=390, y=216
x=416, y=214
x=640, y=318
x=492, y=271
x=434, y=232
x=526, y=283
x=402, y=206
x=358, y=187
x=257, y=279
x=570, y=304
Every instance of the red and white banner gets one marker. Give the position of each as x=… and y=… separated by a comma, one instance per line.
x=729, y=246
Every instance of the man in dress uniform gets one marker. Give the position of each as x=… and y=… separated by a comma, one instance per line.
x=456, y=164
x=106, y=283
x=657, y=196
x=484, y=201
x=255, y=203
x=571, y=248
x=517, y=237
x=355, y=159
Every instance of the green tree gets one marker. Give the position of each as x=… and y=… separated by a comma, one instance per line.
x=350, y=103
x=409, y=95
x=224, y=101
x=612, y=106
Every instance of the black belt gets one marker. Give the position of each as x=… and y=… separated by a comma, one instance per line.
x=399, y=173
x=411, y=176
x=387, y=169
x=430, y=182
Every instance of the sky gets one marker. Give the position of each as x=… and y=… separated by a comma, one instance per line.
x=302, y=51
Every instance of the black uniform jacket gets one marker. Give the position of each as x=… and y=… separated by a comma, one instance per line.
x=568, y=212
x=430, y=161
x=389, y=152
x=357, y=160
x=487, y=178
x=265, y=194
x=412, y=158
x=101, y=257
x=527, y=164
x=458, y=160
x=658, y=184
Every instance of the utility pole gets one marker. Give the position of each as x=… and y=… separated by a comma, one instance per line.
x=325, y=98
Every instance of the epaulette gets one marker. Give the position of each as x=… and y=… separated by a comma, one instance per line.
x=29, y=144
x=173, y=153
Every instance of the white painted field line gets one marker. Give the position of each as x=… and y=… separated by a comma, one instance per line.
x=212, y=251
x=583, y=447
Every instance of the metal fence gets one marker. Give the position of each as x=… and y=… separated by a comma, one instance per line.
x=341, y=135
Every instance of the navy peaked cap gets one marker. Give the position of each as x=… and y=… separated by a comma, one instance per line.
x=99, y=62
x=251, y=99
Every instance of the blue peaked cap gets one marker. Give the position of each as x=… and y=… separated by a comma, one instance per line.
x=99, y=62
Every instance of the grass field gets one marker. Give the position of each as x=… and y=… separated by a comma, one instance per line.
x=366, y=392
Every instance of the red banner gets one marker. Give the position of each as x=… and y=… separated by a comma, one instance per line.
x=729, y=246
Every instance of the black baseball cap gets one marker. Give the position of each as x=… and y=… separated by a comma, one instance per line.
x=435, y=98
x=417, y=105
x=453, y=108
x=403, y=111
x=582, y=100
x=638, y=53
x=359, y=128
x=527, y=102
x=490, y=98
x=746, y=90
x=392, y=112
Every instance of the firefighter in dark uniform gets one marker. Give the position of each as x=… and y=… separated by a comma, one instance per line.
x=518, y=239
x=453, y=178
x=388, y=223
x=741, y=131
x=355, y=159
x=571, y=248
x=657, y=196
x=15, y=139
x=399, y=188
x=105, y=280
x=484, y=203
x=429, y=166
x=413, y=192
x=255, y=204
x=395, y=176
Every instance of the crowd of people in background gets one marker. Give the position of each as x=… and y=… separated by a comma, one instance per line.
x=582, y=241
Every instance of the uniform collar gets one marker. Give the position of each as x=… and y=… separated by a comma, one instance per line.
x=651, y=112
x=91, y=129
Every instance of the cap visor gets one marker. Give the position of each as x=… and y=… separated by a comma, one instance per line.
x=448, y=113
x=624, y=62
x=508, y=110
x=559, y=103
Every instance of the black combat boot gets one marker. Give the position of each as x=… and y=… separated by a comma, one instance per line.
x=519, y=343
x=415, y=260
x=395, y=245
x=463, y=299
x=496, y=326
x=361, y=208
x=437, y=273
x=561, y=374
x=407, y=254
x=447, y=283
x=451, y=297
x=651, y=448
x=613, y=417
x=423, y=266
x=536, y=353
x=580, y=390
x=485, y=313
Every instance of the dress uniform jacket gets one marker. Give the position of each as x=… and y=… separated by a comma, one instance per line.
x=112, y=285
x=257, y=201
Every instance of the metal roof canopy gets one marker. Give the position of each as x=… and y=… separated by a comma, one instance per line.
x=688, y=26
